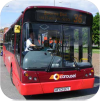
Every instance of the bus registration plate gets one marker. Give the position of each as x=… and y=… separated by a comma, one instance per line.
x=62, y=89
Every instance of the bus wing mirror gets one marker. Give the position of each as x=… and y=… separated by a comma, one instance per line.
x=17, y=29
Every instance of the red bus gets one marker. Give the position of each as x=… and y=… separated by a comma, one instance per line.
x=63, y=59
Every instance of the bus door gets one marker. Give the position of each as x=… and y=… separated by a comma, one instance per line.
x=72, y=47
x=75, y=43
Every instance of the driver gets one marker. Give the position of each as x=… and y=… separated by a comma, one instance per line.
x=31, y=42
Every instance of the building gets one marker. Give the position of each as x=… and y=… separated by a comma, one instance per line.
x=2, y=31
x=5, y=29
x=1, y=36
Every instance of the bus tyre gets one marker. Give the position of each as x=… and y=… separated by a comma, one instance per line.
x=11, y=75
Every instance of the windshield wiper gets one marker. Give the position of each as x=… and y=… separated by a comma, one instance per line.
x=76, y=65
x=90, y=57
x=49, y=66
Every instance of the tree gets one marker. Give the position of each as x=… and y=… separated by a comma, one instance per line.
x=95, y=30
x=84, y=35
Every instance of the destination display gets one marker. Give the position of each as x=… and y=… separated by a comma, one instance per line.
x=60, y=16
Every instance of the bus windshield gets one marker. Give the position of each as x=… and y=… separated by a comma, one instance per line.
x=59, y=46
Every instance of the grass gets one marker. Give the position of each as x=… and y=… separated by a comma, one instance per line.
x=77, y=51
x=94, y=50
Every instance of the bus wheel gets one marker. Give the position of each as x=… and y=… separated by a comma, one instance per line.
x=11, y=75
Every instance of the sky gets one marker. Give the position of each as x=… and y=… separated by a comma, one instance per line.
x=12, y=10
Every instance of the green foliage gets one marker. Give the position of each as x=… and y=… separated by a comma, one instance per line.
x=76, y=35
x=95, y=30
x=84, y=35
x=1, y=30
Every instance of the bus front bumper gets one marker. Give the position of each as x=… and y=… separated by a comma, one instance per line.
x=48, y=87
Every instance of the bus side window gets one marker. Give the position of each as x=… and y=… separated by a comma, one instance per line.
x=17, y=49
x=9, y=40
x=12, y=40
x=5, y=41
x=24, y=38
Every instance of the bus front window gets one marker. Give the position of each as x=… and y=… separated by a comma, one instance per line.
x=48, y=49
x=59, y=46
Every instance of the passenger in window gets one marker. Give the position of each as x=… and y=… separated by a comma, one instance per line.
x=46, y=45
x=53, y=45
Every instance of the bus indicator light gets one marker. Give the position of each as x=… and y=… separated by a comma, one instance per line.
x=92, y=71
x=26, y=74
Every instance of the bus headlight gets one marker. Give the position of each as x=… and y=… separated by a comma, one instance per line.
x=86, y=75
x=35, y=79
x=90, y=74
x=30, y=78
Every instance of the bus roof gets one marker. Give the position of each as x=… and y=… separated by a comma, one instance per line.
x=55, y=7
x=50, y=7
